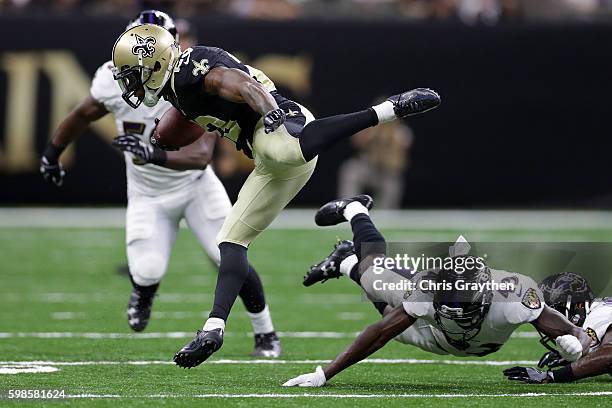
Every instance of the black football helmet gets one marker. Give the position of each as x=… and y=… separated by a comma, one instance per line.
x=155, y=17
x=460, y=313
x=569, y=294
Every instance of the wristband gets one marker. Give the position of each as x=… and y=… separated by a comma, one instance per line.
x=564, y=374
x=53, y=152
x=159, y=157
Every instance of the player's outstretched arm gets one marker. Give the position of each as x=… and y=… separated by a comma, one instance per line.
x=595, y=363
x=194, y=156
x=571, y=340
x=236, y=86
x=373, y=338
x=89, y=110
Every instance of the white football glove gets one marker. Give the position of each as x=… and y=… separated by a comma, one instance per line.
x=316, y=379
x=569, y=347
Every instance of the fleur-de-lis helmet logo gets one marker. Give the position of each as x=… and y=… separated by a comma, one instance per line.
x=144, y=46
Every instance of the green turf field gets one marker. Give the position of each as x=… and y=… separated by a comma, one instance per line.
x=63, y=304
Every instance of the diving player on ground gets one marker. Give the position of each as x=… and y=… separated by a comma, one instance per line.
x=214, y=89
x=163, y=188
x=441, y=321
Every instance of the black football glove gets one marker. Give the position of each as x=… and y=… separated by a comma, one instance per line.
x=273, y=119
x=142, y=152
x=529, y=375
x=50, y=167
x=552, y=359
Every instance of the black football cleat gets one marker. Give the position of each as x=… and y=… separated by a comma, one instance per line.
x=331, y=213
x=267, y=345
x=414, y=102
x=200, y=348
x=139, y=306
x=330, y=267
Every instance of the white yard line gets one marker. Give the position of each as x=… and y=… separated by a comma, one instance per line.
x=483, y=362
x=181, y=334
x=347, y=396
x=303, y=218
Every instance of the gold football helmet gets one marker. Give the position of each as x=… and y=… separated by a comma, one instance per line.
x=144, y=57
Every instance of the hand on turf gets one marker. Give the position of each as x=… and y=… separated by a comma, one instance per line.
x=569, y=347
x=529, y=375
x=273, y=119
x=142, y=152
x=316, y=379
x=552, y=359
x=52, y=171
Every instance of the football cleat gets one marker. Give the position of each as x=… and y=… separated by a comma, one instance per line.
x=200, y=348
x=139, y=306
x=332, y=212
x=330, y=267
x=414, y=102
x=267, y=345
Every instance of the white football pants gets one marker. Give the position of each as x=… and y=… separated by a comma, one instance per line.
x=152, y=224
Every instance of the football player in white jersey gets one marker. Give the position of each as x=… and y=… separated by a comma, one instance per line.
x=163, y=188
x=439, y=313
x=571, y=295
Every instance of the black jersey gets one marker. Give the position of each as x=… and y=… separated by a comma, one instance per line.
x=236, y=121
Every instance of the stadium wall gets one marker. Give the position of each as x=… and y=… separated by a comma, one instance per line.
x=524, y=120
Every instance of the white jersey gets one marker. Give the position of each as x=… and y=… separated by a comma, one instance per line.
x=598, y=320
x=509, y=310
x=147, y=179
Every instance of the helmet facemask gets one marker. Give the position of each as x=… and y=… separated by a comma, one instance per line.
x=132, y=80
x=460, y=314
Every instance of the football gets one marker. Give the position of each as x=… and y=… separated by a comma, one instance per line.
x=174, y=131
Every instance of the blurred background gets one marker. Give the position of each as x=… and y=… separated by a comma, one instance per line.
x=525, y=85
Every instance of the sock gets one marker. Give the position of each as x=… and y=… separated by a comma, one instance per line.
x=262, y=321
x=233, y=271
x=320, y=134
x=385, y=112
x=214, y=323
x=354, y=208
x=146, y=289
x=347, y=265
x=252, y=292
x=355, y=275
x=364, y=231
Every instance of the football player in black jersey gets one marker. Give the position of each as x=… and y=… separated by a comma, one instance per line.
x=214, y=89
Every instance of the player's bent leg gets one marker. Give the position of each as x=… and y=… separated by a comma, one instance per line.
x=150, y=235
x=262, y=197
x=319, y=135
x=205, y=215
x=346, y=255
x=267, y=190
